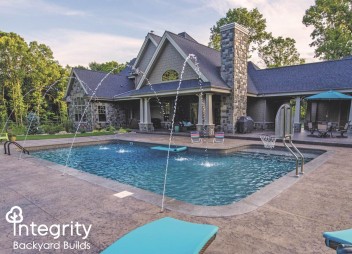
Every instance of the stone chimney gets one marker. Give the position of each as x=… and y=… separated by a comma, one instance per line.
x=234, y=40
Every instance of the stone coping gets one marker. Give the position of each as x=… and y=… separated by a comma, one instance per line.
x=248, y=204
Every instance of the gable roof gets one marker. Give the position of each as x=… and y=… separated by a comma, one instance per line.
x=167, y=38
x=112, y=85
x=209, y=59
x=153, y=38
x=304, y=78
x=187, y=36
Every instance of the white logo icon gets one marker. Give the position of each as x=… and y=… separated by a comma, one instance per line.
x=14, y=215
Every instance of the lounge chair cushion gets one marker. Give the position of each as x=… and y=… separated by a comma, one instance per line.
x=166, y=235
x=344, y=249
x=342, y=237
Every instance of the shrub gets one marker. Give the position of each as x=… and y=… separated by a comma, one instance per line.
x=52, y=129
x=33, y=122
x=111, y=128
x=68, y=126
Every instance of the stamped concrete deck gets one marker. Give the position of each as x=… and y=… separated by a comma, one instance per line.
x=292, y=222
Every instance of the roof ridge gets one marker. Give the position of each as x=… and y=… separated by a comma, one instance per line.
x=305, y=64
x=196, y=42
x=102, y=72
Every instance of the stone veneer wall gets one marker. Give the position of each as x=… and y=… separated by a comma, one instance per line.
x=234, y=42
x=115, y=112
x=115, y=115
x=76, y=92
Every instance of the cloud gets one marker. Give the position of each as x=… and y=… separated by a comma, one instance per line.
x=37, y=6
x=74, y=47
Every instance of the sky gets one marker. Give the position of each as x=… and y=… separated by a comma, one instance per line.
x=83, y=31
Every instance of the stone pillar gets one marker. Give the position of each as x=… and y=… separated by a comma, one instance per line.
x=209, y=125
x=296, y=122
x=234, y=47
x=200, y=112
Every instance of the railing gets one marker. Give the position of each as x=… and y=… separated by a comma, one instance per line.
x=7, y=147
x=295, y=155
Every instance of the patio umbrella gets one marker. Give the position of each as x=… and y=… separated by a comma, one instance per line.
x=329, y=96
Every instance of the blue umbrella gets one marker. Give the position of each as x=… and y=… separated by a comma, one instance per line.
x=329, y=96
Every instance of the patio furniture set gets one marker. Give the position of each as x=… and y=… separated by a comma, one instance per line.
x=326, y=129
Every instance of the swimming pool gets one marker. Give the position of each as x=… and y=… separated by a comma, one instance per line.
x=194, y=177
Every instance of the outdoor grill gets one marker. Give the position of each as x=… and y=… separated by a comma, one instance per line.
x=244, y=124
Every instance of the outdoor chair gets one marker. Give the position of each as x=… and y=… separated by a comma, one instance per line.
x=338, y=239
x=343, y=130
x=219, y=137
x=195, y=137
x=4, y=137
x=166, y=235
x=311, y=128
x=329, y=129
x=322, y=130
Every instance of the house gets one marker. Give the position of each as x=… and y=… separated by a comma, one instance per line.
x=216, y=89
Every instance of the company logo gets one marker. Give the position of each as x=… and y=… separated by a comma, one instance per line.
x=74, y=229
x=14, y=215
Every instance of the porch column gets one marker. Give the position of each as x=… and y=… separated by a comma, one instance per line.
x=209, y=109
x=297, y=124
x=200, y=109
x=141, y=111
x=350, y=119
x=350, y=115
x=147, y=116
x=209, y=125
x=141, y=115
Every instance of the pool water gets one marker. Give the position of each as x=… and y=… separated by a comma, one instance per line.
x=195, y=177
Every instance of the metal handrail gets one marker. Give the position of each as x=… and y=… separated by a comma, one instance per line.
x=5, y=146
x=288, y=148
x=8, y=143
x=300, y=154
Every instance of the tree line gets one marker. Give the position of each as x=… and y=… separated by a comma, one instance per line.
x=31, y=80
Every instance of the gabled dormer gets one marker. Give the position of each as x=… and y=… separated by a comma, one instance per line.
x=145, y=55
x=169, y=58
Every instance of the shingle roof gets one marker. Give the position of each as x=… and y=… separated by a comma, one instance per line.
x=157, y=38
x=166, y=87
x=328, y=75
x=112, y=84
x=209, y=59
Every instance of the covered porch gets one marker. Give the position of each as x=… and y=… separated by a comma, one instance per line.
x=199, y=111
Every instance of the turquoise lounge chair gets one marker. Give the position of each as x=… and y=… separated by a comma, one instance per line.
x=165, y=236
x=337, y=238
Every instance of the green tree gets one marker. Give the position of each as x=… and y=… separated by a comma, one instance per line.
x=13, y=63
x=107, y=66
x=332, y=22
x=280, y=52
x=29, y=69
x=253, y=20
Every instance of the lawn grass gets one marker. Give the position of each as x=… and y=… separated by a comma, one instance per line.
x=87, y=134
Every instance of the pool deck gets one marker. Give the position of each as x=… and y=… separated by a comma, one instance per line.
x=292, y=222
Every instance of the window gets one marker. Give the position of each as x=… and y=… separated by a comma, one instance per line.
x=79, y=107
x=101, y=113
x=169, y=75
